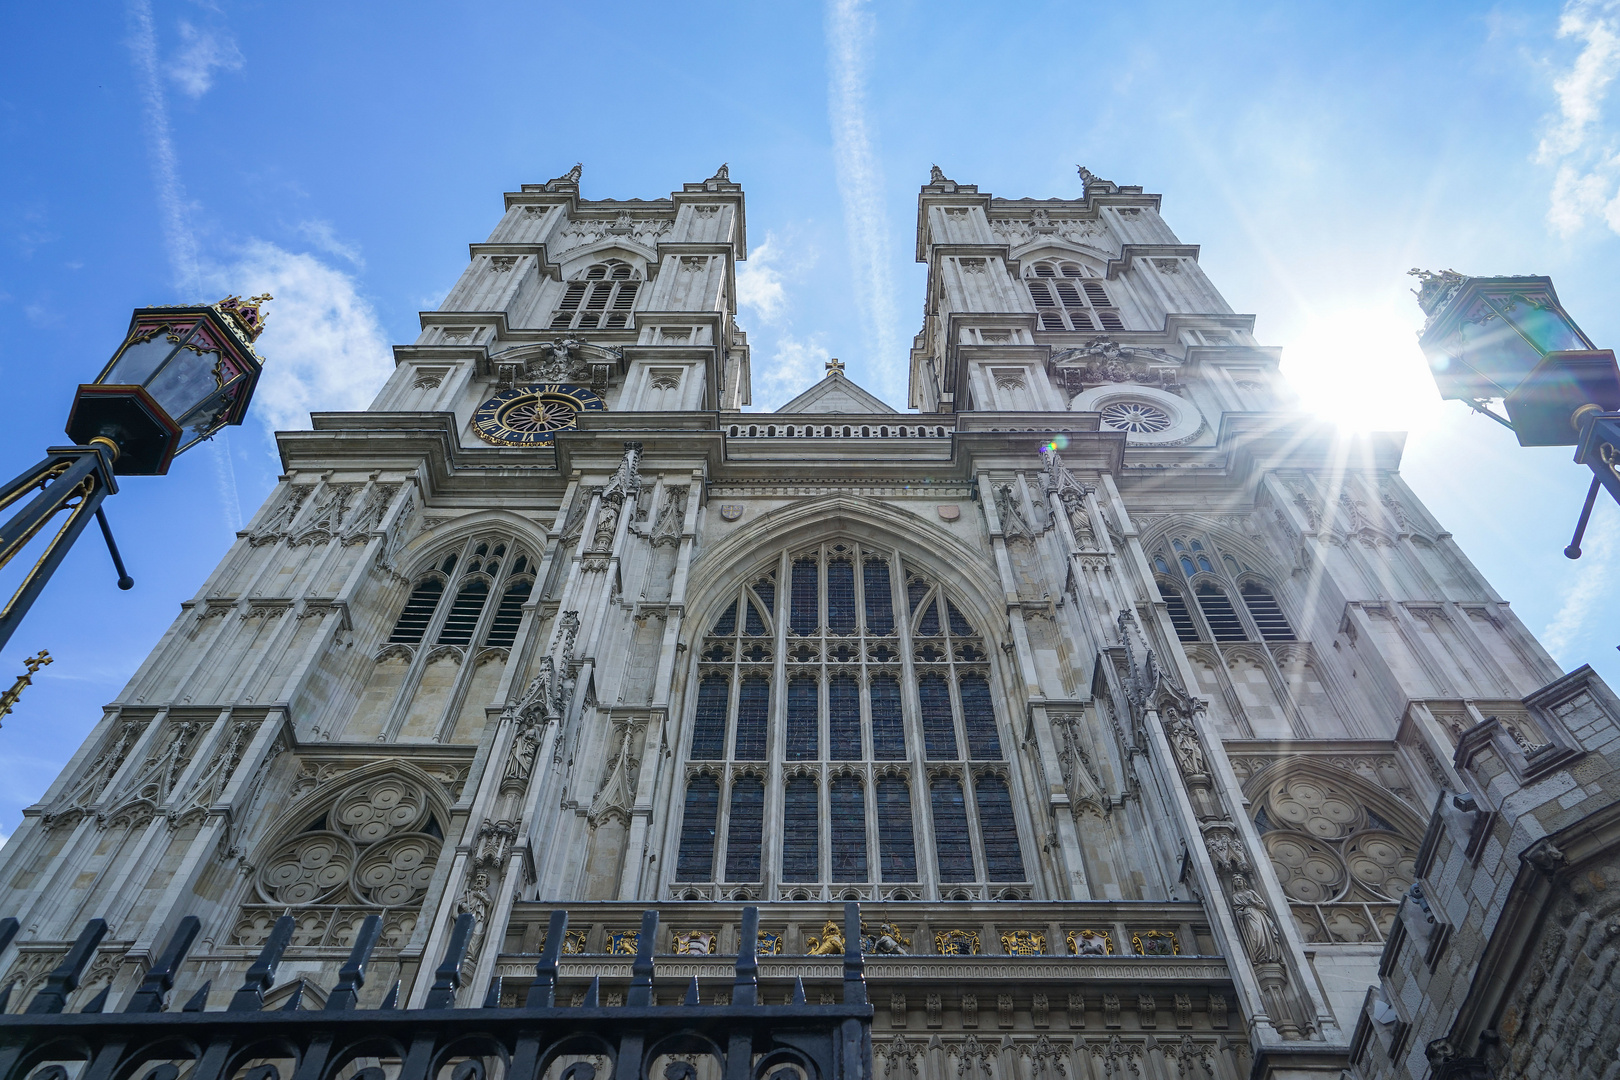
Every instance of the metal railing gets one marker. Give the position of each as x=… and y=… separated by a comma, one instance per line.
x=745, y=1040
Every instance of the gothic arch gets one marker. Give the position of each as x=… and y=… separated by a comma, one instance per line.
x=365, y=842
x=1093, y=259
x=1343, y=849
x=719, y=572
x=641, y=259
x=453, y=534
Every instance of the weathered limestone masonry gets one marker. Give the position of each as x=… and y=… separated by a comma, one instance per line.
x=1503, y=962
x=1117, y=690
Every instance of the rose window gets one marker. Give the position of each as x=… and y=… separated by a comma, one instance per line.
x=374, y=845
x=1135, y=417
x=1343, y=862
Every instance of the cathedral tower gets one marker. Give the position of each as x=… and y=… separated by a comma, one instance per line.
x=1117, y=690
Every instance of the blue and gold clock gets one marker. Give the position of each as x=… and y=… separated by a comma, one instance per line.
x=532, y=415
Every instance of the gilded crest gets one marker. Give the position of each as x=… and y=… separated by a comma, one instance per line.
x=731, y=511
x=1090, y=943
x=957, y=943
x=1023, y=943
x=694, y=943
x=624, y=942
x=1156, y=943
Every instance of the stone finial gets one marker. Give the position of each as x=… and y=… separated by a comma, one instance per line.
x=835, y=366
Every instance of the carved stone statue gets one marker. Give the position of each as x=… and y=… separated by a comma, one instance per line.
x=888, y=940
x=1189, y=751
x=1260, y=935
x=1074, y=504
x=936, y=175
x=830, y=943
x=477, y=902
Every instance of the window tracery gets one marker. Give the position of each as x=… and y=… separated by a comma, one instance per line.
x=480, y=568
x=368, y=847
x=1343, y=855
x=858, y=772
x=1063, y=301
x=1191, y=564
x=600, y=298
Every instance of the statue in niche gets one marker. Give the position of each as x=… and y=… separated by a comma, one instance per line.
x=1074, y=504
x=477, y=902
x=1184, y=740
x=1259, y=930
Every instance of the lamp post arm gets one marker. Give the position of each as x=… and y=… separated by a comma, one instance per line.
x=71, y=478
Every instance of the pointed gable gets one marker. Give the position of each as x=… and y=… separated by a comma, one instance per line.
x=836, y=394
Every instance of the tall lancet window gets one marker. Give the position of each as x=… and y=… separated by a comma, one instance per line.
x=1231, y=600
x=601, y=298
x=844, y=730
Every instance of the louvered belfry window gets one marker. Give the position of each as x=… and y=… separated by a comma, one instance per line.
x=469, y=575
x=1195, y=566
x=602, y=298
x=1065, y=299
x=846, y=705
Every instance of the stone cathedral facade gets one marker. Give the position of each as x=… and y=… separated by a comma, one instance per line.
x=1119, y=692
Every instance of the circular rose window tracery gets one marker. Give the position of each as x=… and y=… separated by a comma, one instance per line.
x=1135, y=417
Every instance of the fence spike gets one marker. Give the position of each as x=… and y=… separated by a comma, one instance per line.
x=641, y=971
x=5, y=995
x=691, y=992
x=392, y=1000
x=745, y=988
x=854, y=962
x=543, y=991
x=296, y=999
x=8, y=930
x=447, y=979
x=593, y=995
x=198, y=1002
x=99, y=1002
x=262, y=975
x=62, y=981
x=492, y=996
x=798, y=991
x=346, y=994
x=154, y=989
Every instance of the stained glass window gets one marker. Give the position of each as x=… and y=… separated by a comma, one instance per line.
x=802, y=741
x=746, y=826
x=888, y=727
x=939, y=731
x=844, y=718
x=709, y=727
x=801, y=818
x=896, y=845
x=979, y=718
x=696, y=859
x=805, y=618
x=1000, y=832
x=840, y=596
x=776, y=623
x=951, y=843
x=753, y=707
x=846, y=804
x=879, y=601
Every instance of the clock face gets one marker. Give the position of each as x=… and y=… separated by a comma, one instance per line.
x=532, y=415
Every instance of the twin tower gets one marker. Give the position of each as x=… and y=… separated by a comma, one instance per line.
x=1113, y=687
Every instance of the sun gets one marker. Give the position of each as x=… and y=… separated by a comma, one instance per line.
x=1359, y=366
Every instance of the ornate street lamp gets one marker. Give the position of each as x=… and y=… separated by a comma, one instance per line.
x=1510, y=338
x=181, y=374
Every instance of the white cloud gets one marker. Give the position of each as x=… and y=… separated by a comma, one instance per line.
x=323, y=347
x=202, y=52
x=177, y=234
x=1582, y=144
x=759, y=282
x=850, y=29
x=321, y=234
x=796, y=364
x=1589, y=593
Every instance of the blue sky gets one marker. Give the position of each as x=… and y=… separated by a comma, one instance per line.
x=341, y=156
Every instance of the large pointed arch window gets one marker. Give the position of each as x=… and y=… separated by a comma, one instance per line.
x=850, y=708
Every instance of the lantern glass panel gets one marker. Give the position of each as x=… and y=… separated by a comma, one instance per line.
x=1546, y=328
x=187, y=380
x=139, y=360
x=1497, y=352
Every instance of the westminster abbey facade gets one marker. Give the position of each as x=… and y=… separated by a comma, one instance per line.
x=1120, y=693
